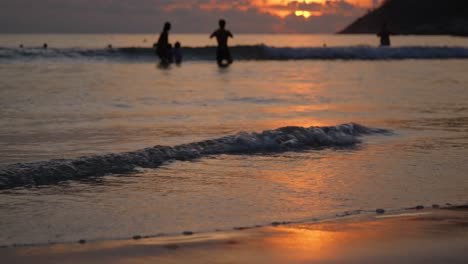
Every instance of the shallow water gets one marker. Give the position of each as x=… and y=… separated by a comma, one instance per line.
x=70, y=108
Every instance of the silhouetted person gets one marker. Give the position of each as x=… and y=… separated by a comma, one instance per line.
x=45, y=46
x=177, y=52
x=384, y=35
x=222, y=52
x=163, y=44
x=21, y=46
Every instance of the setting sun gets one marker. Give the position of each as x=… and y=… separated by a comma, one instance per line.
x=303, y=13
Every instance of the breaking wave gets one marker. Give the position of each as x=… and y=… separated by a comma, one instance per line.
x=253, y=52
x=282, y=139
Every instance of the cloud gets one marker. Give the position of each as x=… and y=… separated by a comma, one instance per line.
x=189, y=16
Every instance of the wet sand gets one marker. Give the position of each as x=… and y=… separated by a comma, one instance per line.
x=414, y=236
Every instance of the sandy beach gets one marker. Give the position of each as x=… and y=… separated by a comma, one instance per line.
x=412, y=236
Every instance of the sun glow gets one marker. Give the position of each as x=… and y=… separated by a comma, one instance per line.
x=304, y=8
x=303, y=13
x=281, y=8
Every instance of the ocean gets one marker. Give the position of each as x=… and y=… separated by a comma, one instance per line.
x=101, y=143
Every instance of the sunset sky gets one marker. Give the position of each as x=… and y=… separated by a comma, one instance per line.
x=189, y=16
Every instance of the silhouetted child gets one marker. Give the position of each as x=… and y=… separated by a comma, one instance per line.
x=177, y=52
x=384, y=35
x=222, y=52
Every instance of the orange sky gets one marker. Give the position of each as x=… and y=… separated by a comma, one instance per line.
x=251, y=16
x=284, y=8
x=280, y=8
x=317, y=15
x=367, y=3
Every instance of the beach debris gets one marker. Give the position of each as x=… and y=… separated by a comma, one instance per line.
x=242, y=227
x=380, y=211
x=456, y=207
x=136, y=237
x=172, y=246
x=348, y=213
x=187, y=233
x=82, y=241
x=418, y=207
x=280, y=223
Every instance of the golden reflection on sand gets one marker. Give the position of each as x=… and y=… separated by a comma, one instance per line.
x=321, y=242
x=406, y=235
x=437, y=236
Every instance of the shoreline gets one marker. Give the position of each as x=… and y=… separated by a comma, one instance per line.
x=336, y=216
x=408, y=236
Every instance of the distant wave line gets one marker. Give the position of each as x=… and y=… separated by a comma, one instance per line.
x=242, y=52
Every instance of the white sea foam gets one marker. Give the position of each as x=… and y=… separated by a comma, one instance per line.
x=282, y=139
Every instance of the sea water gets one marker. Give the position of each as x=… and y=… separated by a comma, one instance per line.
x=101, y=143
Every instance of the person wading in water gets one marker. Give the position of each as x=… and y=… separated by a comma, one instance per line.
x=223, y=56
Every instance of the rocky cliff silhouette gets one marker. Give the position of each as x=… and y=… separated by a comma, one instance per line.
x=415, y=17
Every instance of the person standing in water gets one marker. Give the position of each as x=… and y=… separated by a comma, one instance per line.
x=222, y=52
x=162, y=46
x=384, y=35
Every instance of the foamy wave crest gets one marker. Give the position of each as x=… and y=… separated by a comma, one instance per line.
x=254, y=52
x=368, y=53
x=282, y=139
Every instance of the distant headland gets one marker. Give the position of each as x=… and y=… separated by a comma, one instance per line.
x=415, y=17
